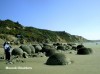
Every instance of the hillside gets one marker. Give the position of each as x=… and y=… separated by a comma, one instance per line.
x=14, y=31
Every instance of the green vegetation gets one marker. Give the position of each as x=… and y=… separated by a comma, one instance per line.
x=30, y=34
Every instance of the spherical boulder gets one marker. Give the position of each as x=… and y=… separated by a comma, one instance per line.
x=57, y=59
x=32, y=49
x=38, y=48
x=48, y=50
x=26, y=48
x=79, y=46
x=17, y=51
x=84, y=51
x=61, y=47
x=25, y=55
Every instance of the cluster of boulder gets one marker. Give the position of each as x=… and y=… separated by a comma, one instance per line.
x=51, y=51
x=81, y=50
x=47, y=49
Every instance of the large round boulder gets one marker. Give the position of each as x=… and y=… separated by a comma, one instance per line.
x=32, y=49
x=84, y=51
x=80, y=46
x=26, y=49
x=38, y=48
x=57, y=59
x=48, y=50
x=17, y=51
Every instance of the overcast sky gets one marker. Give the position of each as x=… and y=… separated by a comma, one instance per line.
x=77, y=17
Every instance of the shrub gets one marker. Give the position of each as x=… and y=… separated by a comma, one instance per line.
x=26, y=49
x=56, y=59
x=17, y=51
x=84, y=51
x=32, y=49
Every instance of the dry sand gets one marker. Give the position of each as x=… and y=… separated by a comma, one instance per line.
x=83, y=64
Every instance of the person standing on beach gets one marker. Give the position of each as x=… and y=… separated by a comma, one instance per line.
x=7, y=48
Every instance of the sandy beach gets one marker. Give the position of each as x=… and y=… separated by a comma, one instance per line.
x=83, y=64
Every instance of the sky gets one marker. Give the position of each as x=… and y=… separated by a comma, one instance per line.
x=77, y=17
